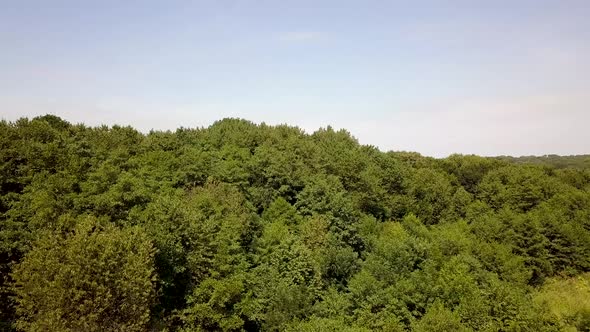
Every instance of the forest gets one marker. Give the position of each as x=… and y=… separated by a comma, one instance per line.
x=252, y=227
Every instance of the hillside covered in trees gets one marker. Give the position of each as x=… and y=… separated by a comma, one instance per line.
x=246, y=227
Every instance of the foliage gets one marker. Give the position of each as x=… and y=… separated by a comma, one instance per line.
x=250, y=227
x=97, y=278
x=568, y=300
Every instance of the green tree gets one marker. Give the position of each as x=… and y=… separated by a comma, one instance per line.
x=97, y=278
x=440, y=319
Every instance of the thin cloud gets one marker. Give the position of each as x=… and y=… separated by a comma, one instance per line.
x=301, y=36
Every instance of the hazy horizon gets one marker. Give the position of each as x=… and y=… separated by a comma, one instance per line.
x=434, y=77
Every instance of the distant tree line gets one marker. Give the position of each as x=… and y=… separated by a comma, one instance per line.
x=251, y=227
x=552, y=160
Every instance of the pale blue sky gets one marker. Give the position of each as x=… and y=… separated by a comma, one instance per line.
x=437, y=77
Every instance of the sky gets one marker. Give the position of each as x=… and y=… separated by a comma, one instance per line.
x=437, y=77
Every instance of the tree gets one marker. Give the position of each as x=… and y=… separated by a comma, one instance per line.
x=432, y=195
x=440, y=319
x=96, y=278
x=220, y=228
x=268, y=228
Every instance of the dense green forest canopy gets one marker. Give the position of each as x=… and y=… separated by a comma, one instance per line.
x=251, y=227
